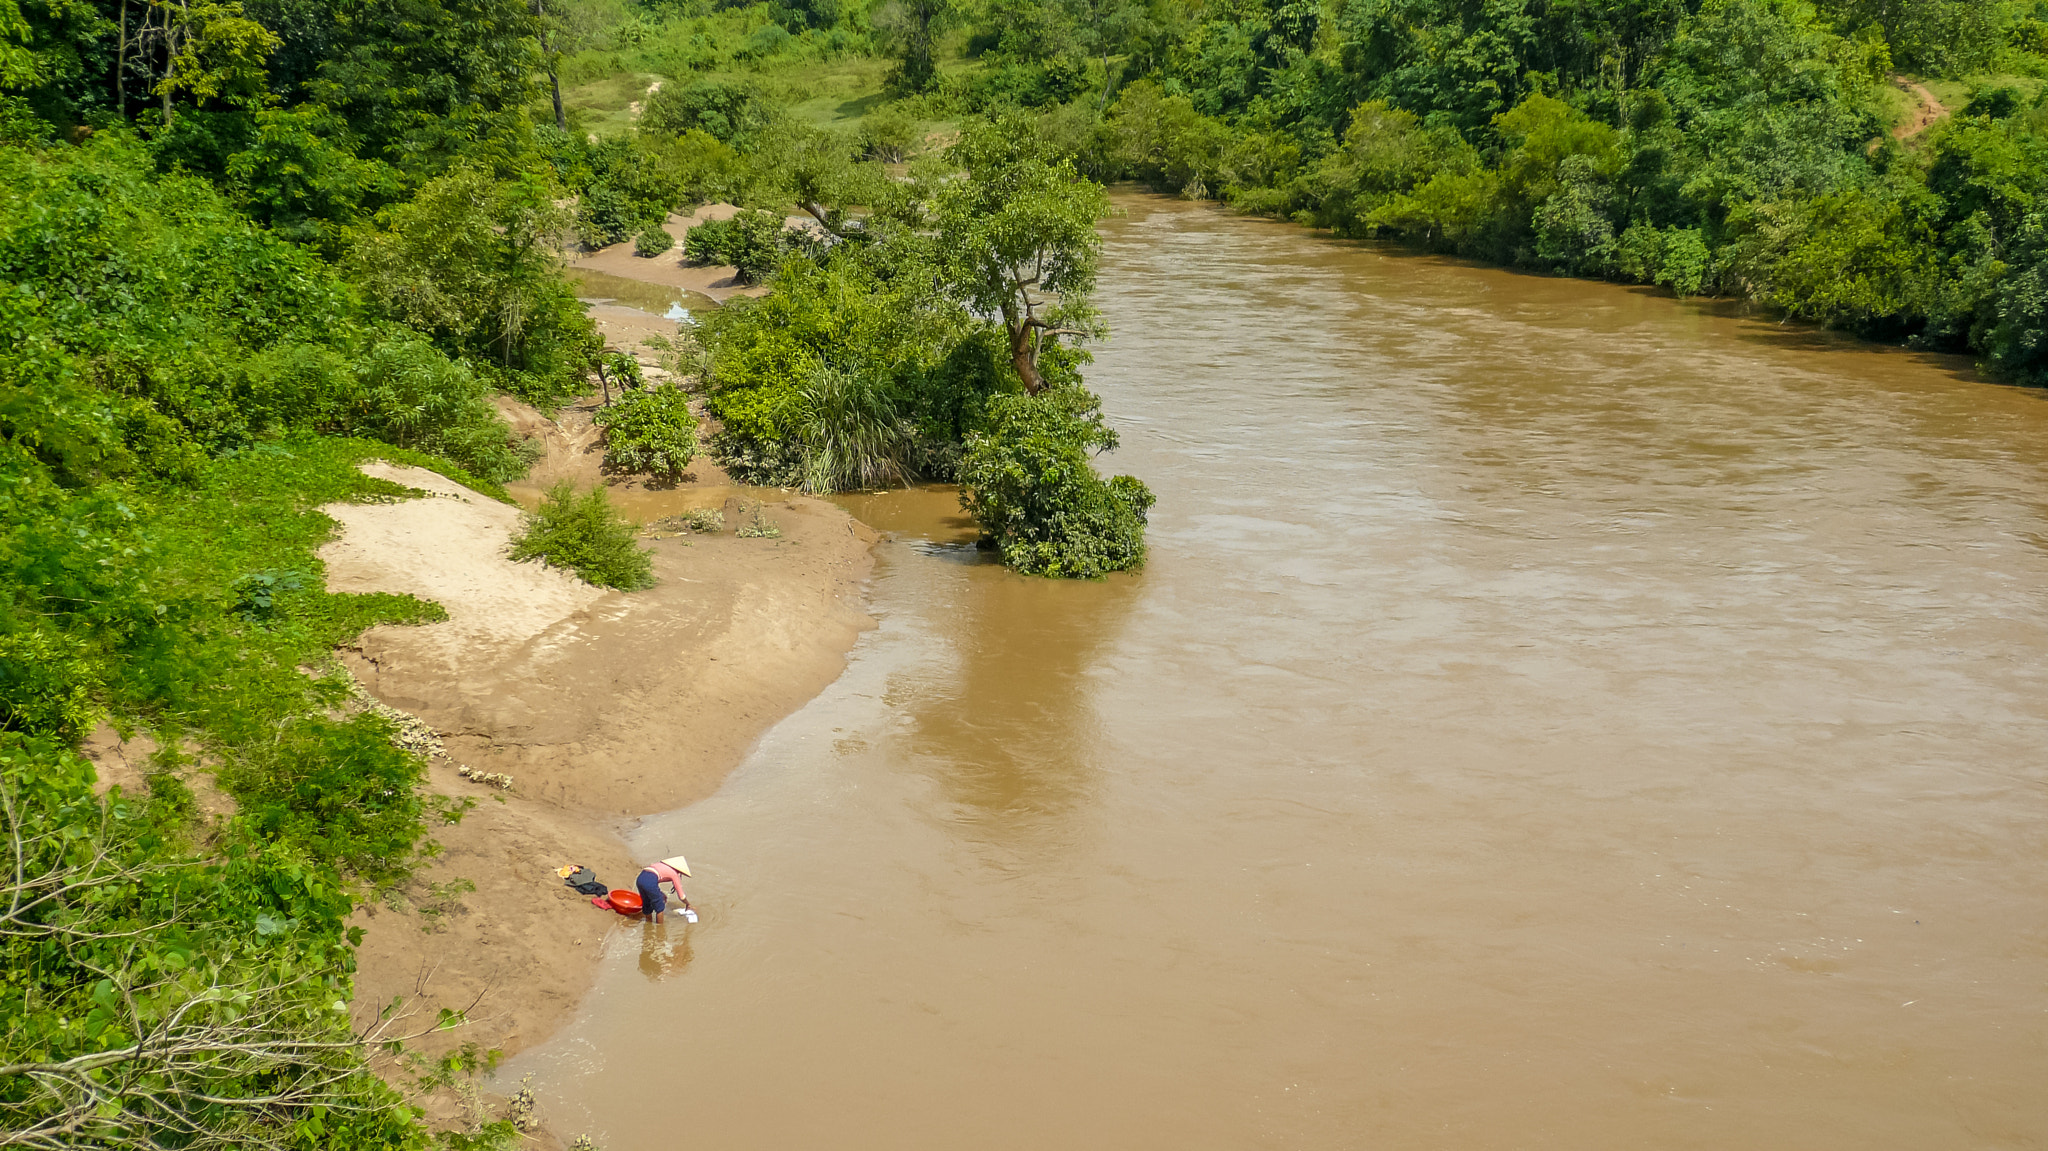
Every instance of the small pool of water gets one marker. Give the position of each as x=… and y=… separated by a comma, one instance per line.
x=657, y=299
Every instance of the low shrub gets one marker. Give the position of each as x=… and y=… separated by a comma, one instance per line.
x=1028, y=483
x=650, y=431
x=583, y=533
x=752, y=241
x=889, y=134
x=653, y=241
x=754, y=523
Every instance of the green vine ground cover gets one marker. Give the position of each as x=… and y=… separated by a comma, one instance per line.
x=138, y=919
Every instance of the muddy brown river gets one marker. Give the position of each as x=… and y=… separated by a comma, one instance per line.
x=1553, y=716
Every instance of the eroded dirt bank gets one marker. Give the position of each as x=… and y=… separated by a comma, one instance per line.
x=602, y=706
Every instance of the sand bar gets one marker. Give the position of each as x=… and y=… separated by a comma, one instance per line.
x=603, y=706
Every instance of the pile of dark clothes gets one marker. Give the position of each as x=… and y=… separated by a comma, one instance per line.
x=585, y=880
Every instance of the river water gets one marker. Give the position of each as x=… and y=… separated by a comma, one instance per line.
x=1553, y=716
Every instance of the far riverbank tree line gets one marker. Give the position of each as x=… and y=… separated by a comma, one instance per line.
x=1771, y=150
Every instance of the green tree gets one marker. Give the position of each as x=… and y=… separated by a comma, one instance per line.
x=472, y=262
x=210, y=49
x=817, y=171
x=1028, y=482
x=423, y=83
x=911, y=29
x=730, y=111
x=1944, y=37
x=300, y=174
x=1018, y=240
x=889, y=134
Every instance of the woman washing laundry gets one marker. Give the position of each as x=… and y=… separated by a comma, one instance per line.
x=670, y=871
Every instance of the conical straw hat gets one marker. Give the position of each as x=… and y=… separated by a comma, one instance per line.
x=679, y=863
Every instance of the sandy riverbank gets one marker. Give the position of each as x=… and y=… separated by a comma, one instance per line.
x=602, y=706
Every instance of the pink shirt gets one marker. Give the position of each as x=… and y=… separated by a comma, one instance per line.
x=666, y=874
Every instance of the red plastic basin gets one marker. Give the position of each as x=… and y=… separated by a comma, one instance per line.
x=625, y=902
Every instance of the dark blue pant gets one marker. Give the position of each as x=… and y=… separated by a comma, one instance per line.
x=651, y=898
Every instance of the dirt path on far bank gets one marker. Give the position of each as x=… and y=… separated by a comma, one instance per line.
x=1930, y=111
x=601, y=705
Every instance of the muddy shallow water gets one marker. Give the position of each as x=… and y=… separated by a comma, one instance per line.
x=1554, y=716
x=654, y=299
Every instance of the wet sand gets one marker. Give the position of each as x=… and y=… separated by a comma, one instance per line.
x=602, y=706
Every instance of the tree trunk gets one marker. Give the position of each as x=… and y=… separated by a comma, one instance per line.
x=121, y=67
x=547, y=53
x=171, y=58
x=1024, y=357
x=170, y=70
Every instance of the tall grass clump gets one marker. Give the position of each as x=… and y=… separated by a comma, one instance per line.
x=584, y=534
x=849, y=434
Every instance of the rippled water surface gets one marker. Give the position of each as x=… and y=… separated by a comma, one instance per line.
x=1554, y=716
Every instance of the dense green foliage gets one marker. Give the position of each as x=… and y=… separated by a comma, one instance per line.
x=153, y=326
x=1735, y=147
x=242, y=251
x=921, y=360
x=585, y=535
x=1037, y=498
x=189, y=609
x=752, y=242
x=232, y=964
x=891, y=339
x=469, y=261
x=650, y=431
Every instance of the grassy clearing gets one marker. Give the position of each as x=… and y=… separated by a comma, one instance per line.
x=836, y=93
x=1953, y=94
x=1896, y=107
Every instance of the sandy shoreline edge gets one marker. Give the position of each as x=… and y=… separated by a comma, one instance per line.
x=603, y=706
